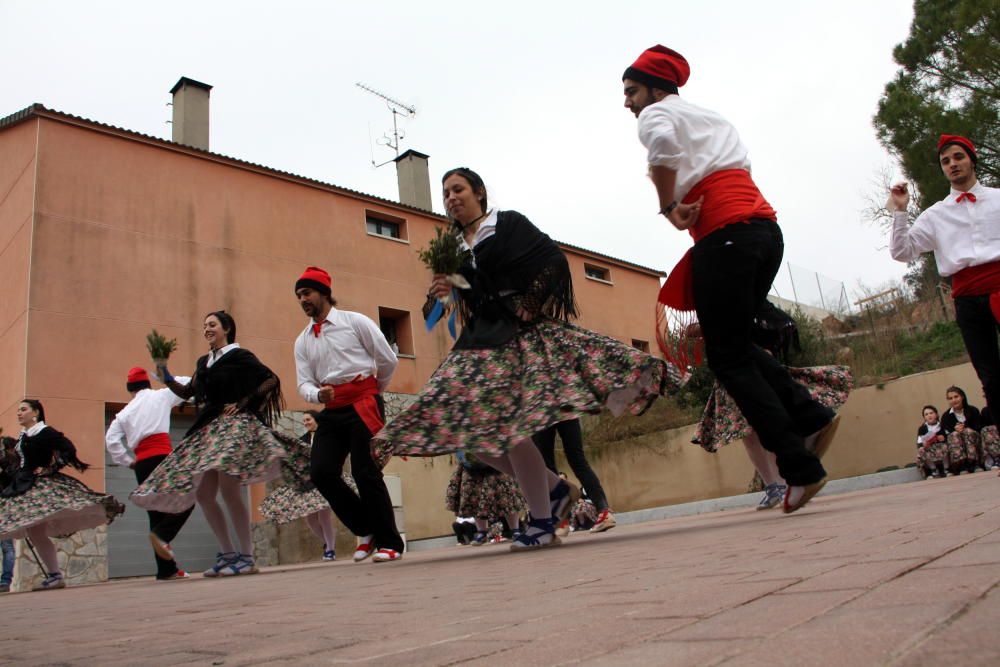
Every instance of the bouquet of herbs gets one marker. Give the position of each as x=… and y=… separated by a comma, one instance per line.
x=446, y=255
x=159, y=347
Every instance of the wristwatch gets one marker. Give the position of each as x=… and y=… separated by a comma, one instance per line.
x=670, y=207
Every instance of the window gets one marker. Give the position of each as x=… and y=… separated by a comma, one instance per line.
x=380, y=224
x=641, y=345
x=395, y=326
x=597, y=273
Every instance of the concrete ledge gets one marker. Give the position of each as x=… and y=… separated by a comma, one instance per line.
x=743, y=501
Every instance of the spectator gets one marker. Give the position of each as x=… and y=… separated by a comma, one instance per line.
x=932, y=448
x=990, y=438
x=961, y=425
x=8, y=464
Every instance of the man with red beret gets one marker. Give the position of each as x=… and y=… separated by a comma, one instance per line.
x=138, y=438
x=963, y=232
x=701, y=172
x=343, y=361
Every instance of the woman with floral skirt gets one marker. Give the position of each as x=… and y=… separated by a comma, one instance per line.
x=39, y=502
x=519, y=365
x=231, y=444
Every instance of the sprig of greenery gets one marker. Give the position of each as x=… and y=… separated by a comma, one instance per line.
x=444, y=254
x=158, y=345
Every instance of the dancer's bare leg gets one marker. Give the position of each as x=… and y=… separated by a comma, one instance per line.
x=239, y=513
x=206, y=495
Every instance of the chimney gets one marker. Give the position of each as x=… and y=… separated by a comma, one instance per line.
x=414, y=180
x=190, y=122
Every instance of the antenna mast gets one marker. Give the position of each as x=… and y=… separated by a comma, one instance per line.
x=398, y=109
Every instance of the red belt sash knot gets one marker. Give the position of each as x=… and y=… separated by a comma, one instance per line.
x=979, y=281
x=157, y=444
x=731, y=196
x=359, y=394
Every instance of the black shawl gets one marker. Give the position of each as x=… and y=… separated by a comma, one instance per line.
x=519, y=267
x=237, y=377
x=949, y=421
x=47, y=451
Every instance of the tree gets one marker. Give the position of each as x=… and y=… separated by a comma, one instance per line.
x=948, y=83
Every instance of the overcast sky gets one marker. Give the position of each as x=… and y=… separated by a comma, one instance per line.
x=526, y=93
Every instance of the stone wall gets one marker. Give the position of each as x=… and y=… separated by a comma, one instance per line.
x=83, y=558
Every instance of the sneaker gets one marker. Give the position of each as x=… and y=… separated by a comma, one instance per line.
x=479, y=539
x=179, y=574
x=161, y=548
x=562, y=498
x=773, y=493
x=329, y=555
x=242, y=564
x=366, y=546
x=605, y=521
x=50, y=583
x=539, y=534
x=222, y=560
x=386, y=555
x=797, y=496
x=820, y=441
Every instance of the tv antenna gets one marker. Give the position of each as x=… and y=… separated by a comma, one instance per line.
x=398, y=109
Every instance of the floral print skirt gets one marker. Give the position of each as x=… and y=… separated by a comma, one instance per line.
x=488, y=400
x=63, y=504
x=236, y=445
x=722, y=422
x=483, y=494
x=286, y=503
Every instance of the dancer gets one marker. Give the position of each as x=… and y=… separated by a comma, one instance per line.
x=961, y=424
x=343, y=361
x=776, y=332
x=518, y=366
x=485, y=494
x=229, y=445
x=958, y=230
x=39, y=502
x=932, y=452
x=571, y=434
x=139, y=438
x=286, y=504
x=722, y=422
x=701, y=173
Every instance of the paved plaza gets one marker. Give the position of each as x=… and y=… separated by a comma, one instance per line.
x=900, y=575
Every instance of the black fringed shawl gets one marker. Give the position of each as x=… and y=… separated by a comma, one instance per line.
x=48, y=450
x=517, y=267
x=237, y=377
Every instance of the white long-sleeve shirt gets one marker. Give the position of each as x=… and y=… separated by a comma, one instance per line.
x=960, y=234
x=349, y=345
x=148, y=413
x=690, y=140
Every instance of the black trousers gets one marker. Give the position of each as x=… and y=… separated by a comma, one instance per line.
x=341, y=432
x=571, y=435
x=166, y=526
x=733, y=270
x=979, y=331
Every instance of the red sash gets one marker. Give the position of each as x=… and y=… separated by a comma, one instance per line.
x=978, y=281
x=157, y=444
x=360, y=394
x=731, y=196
